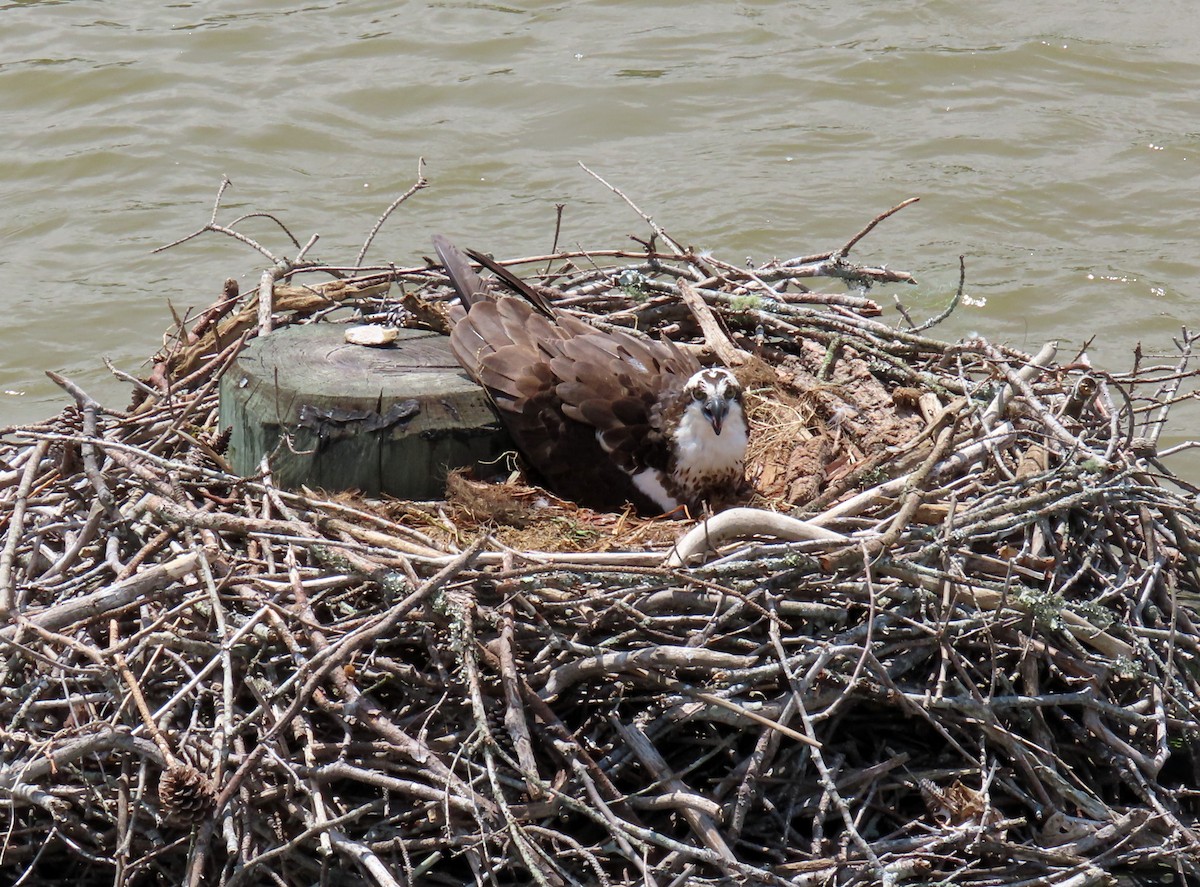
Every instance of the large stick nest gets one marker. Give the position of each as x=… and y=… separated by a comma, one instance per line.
x=950, y=643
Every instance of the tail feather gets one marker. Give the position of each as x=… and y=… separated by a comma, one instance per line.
x=472, y=288
x=466, y=282
x=517, y=284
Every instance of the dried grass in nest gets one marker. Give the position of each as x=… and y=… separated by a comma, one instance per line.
x=786, y=430
x=528, y=518
x=969, y=663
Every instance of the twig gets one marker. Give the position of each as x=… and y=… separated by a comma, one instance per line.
x=701, y=823
x=849, y=245
x=714, y=336
x=1167, y=391
x=108, y=600
x=949, y=309
x=558, y=215
x=16, y=526
x=514, y=713
x=654, y=226
x=420, y=183
x=221, y=229
x=89, y=408
x=266, y=302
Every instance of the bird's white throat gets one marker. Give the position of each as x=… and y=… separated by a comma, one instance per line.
x=700, y=451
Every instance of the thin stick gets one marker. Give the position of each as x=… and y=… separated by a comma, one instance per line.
x=420, y=183
x=266, y=301
x=221, y=229
x=654, y=226
x=1167, y=391
x=849, y=245
x=949, y=309
x=16, y=526
x=714, y=335
x=88, y=408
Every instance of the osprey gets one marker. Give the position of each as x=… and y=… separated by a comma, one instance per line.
x=601, y=417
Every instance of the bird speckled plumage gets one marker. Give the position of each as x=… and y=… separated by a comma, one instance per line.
x=601, y=417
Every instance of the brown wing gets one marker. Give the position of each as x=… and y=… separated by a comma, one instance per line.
x=617, y=384
x=582, y=404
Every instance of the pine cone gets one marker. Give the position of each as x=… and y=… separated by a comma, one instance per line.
x=66, y=453
x=220, y=442
x=186, y=795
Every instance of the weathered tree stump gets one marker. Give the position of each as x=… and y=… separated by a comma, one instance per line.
x=337, y=416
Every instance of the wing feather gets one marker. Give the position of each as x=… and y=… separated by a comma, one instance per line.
x=469, y=285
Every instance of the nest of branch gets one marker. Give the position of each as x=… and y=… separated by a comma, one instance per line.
x=952, y=642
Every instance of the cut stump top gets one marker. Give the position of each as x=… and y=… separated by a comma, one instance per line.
x=339, y=416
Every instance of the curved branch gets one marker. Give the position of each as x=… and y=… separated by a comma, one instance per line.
x=707, y=535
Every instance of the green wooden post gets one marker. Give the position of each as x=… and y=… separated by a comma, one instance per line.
x=348, y=417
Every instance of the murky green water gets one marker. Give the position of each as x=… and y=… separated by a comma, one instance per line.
x=1055, y=147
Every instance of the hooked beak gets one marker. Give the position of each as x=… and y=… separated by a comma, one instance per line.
x=716, y=409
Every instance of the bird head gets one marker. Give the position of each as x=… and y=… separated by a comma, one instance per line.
x=715, y=393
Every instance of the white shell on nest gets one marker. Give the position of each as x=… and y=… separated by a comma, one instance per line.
x=371, y=334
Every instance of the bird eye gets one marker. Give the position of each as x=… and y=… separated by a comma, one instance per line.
x=698, y=394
